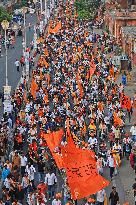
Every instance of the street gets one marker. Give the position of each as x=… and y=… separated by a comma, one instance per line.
x=13, y=54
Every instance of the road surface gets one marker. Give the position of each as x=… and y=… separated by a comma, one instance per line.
x=13, y=54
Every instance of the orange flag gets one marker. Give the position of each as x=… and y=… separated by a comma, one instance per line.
x=56, y=28
x=126, y=102
x=117, y=120
x=72, y=148
x=53, y=140
x=82, y=174
x=92, y=69
x=34, y=87
x=81, y=171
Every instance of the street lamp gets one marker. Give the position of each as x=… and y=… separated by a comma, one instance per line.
x=7, y=89
x=5, y=26
x=41, y=6
x=24, y=10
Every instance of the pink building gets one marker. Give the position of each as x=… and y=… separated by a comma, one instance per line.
x=128, y=35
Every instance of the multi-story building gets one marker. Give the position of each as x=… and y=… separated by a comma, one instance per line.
x=120, y=19
x=128, y=35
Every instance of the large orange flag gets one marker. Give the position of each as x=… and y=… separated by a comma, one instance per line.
x=81, y=171
x=34, y=87
x=72, y=148
x=83, y=178
x=53, y=140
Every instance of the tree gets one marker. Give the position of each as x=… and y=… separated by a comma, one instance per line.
x=4, y=15
x=87, y=9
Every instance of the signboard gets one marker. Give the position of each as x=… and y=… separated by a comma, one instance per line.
x=116, y=60
x=7, y=89
x=7, y=106
x=7, y=99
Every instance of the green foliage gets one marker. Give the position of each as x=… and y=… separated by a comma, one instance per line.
x=4, y=15
x=86, y=9
x=24, y=3
x=83, y=14
x=19, y=5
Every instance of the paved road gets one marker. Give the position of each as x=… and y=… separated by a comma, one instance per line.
x=13, y=54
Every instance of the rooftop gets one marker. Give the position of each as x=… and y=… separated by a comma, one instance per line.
x=123, y=14
x=129, y=30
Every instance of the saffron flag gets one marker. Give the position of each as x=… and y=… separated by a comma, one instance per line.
x=34, y=87
x=126, y=102
x=72, y=148
x=56, y=28
x=83, y=178
x=81, y=171
x=91, y=70
x=117, y=120
x=53, y=140
x=80, y=86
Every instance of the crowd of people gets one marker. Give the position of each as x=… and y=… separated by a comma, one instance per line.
x=73, y=86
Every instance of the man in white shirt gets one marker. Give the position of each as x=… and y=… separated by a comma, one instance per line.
x=31, y=172
x=111, y=163
x=23, y=164
x=17, y=65
x=92, y=141
x=50, y=180
x=7, y=183
x=100, y=197
x=133, y=132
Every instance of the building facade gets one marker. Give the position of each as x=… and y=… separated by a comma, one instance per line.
x=128, y=40
x=120, y=20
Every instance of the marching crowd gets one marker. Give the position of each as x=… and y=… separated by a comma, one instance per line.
x=73, y=85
